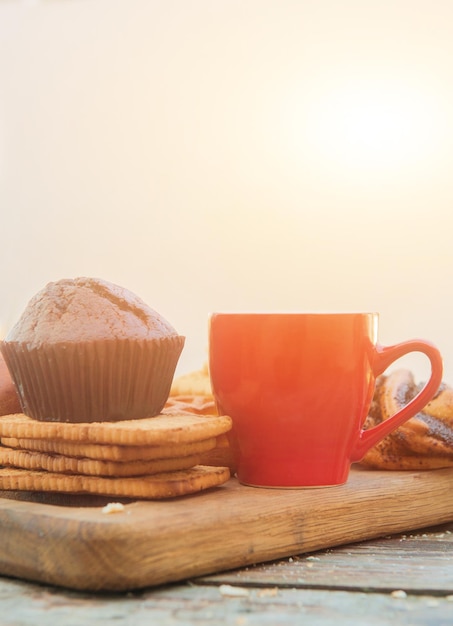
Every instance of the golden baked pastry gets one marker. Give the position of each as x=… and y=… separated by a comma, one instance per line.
x=194, y=383
x=423, y=442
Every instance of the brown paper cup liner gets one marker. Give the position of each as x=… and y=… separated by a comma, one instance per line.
x=94, y=381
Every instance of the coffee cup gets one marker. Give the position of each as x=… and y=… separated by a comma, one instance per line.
x=298, y=388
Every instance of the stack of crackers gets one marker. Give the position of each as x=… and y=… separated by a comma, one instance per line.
x=151, y=458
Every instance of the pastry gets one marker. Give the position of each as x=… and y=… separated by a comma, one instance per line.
x=423, y=442
x=87, y=350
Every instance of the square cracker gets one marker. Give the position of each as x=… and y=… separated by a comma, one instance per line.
x=159, y=430
x=106, y=452
x=159, y=486
x=32, y=460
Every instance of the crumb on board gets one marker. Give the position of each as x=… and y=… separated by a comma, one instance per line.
x=398, y=593
x=232, y=591
x=113, y=507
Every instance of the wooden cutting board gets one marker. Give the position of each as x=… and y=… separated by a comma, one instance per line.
x=150, y=543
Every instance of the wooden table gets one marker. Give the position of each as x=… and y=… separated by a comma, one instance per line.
x=404, y=579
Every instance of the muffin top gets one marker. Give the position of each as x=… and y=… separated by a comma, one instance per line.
x=87, y=309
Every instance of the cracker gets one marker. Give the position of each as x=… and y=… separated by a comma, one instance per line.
x=159, y=430
x=105, y=452
x=159, y=486
x=27, y=459
x=224, y=454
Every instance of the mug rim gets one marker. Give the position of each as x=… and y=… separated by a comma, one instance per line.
x=295, y=313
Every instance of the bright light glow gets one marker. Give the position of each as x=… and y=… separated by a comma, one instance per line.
x=376, y=127
x=367, y=127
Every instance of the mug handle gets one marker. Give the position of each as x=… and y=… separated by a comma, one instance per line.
x=384, y=356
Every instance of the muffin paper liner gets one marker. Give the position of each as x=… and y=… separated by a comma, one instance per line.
x=94, y=381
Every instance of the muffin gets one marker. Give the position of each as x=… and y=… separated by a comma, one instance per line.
x=86, y=350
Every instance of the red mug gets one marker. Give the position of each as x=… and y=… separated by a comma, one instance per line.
x=298, y=388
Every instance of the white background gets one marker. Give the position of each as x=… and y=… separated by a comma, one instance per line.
x=232, y=155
